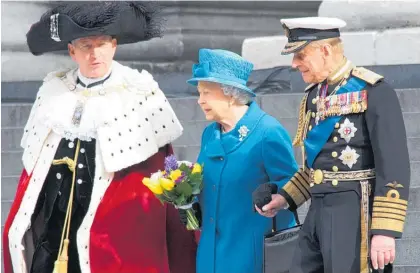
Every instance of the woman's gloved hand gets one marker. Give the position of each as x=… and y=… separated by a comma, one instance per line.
x=262, y=195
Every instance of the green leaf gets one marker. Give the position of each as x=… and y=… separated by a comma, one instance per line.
x=184, y=168
x=195, y=178
x=184, y=188
x=180, y=200
x=170, y=196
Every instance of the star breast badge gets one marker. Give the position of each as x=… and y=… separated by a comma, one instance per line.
x=347, y=130
x=349, y=157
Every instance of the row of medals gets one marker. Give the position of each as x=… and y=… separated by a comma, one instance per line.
x=335, y=107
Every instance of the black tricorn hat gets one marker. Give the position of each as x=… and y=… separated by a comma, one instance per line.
x=127, y=21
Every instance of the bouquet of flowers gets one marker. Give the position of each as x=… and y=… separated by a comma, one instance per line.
x=178, y=184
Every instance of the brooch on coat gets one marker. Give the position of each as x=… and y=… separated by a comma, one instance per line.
x=243, y=132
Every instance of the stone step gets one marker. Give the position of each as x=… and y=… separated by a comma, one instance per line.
x=8, y=187
x=5, y=208
x=414, y=200
x=412, y=124
x=10, y=139
x=415, y=174
x=409, y=100
x=407, y=252
x=11, y=164
x=413, y=144
x=411, y=227
x=14, y=114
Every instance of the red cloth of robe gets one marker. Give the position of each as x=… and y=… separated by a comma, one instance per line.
x=132, y=231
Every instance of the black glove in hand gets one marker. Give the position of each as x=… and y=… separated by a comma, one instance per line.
x=183, y=214
x=262, y=195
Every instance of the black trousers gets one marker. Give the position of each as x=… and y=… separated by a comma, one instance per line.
x=330, y=237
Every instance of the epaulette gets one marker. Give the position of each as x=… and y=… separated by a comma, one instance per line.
x=309, y=87
x=367, y=75
x=56, y=74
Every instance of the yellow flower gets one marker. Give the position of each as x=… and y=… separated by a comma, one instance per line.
x=153, y=185
x=197, y=168
x=167, y=184
x=175, y=175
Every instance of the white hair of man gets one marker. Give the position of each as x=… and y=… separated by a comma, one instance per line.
x=335, y=43
x=241, y=97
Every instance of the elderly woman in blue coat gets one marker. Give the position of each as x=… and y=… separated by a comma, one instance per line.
x=241, y=149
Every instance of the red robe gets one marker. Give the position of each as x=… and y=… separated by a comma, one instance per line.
x=132, y=231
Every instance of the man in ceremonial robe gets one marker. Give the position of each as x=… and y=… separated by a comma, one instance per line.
x=93, y=134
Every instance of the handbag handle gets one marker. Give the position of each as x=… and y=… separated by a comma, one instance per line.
x=294, y=214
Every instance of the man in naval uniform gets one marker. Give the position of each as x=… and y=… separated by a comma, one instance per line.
x=356, y=165
x=93, y=133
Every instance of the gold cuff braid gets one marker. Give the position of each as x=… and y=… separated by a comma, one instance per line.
x=298, y=187
x=389, y=213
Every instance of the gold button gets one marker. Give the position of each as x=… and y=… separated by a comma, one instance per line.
x=314, y=101
x=310, y=127
x=334, y=182
x=335, y=139
x=335, y=168
x=313, y=114
x=318, y=176
x=334, y=154
x=337, y=125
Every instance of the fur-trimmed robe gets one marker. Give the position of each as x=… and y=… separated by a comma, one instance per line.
x=126, y=229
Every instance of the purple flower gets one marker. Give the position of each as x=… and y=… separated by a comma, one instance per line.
x=171, y=163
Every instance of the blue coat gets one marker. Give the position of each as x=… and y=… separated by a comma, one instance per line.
x=232, y=232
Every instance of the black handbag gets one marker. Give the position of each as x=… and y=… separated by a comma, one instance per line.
x=279, y=247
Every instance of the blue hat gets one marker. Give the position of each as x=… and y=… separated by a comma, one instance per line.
x=222, y=66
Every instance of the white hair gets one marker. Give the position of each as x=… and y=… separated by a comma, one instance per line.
x=241, y=96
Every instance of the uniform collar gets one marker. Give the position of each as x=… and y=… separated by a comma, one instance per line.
x=340, y=72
